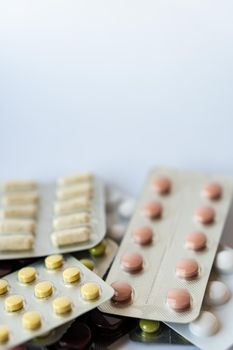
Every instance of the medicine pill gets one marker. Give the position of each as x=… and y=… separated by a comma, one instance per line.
x=14, y=303
x=71, y=275
x=153, y=209
x=187, y=268
x=27, y=274
x=162, y=184
x=143, y=235
x=217, y=293
x=132, y=262
x=31, y=320
x=90, y=291
x=149, y=326
x=53, y=262
x=69, y=221
x=72, y=191
x=122, y=291
x=88, y=263
x=75, y=179
x=20, y=198
x=195, y=241
x=15, y=225
x=3, y=286
x=16, y=242
x=4, y=334
x=205, y=325
x=204, y=215
x=19, y=185
x=126, y=208
x=224, y=261
x=212, y=190
x=178, y=299
x=62, y=305
x=98, y=250
x=43, y=289
x=71, y=236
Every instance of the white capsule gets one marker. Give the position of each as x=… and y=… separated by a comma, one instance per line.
x=205, y=325
x=224, y=261
x=16, y=242
x=217, y=293
x=126, y=208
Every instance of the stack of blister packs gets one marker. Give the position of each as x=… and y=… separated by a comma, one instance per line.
x=170, y=280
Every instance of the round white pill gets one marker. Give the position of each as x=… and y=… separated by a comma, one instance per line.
x=217, y=293
x=126, y=208
x=205, y=325
x=114, y=197
x=116, y=231
x=224, y=261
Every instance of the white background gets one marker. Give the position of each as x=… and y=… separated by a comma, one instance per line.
x=116, y=87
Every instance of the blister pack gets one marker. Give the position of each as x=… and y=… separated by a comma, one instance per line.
x=213, y=328
x=42, y=219
x=46, y=295
x=98, y=259
x=163, y=264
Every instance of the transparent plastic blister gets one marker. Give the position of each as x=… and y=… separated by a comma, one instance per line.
x=78, y=294
x=43, y=241
x=218, y=302
x=157, y=276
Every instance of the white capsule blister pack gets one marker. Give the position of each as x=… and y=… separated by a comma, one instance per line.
x=213, y=328
x=62, y=218
x=171, y=208
x=60, y=290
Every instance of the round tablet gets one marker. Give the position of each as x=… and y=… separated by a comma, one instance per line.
x=71, y=275
x=4, y=334
x=205, y=325
x=61, y=305
x=204, y=215
x=116, y=231
x=3, y=286
x=162, y=184
x=195, y=241
x=88, y=263
x=126, y=208
x=90, y=291
x=212, y=190
x=187, y=268
x=43, y=289
x=143, y=235
x=149, y=326
x=224, y=261
x=31, y=320
x=27, y=274
x=53, y=262
x=98, y=250
x=14, y=303
x=132, y=262
x=217, y=293
x=178, y=299
x=153, y=209
x=122, y=291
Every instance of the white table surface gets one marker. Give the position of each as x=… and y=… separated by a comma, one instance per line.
x=116, y=87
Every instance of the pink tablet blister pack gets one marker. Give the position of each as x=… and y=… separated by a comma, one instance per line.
x=164, y=262
x=213, y=328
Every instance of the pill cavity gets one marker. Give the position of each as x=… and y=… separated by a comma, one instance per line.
x=195, y=241
x=187, y=268
x=31, y=320
x=71, y=275
x=178, y=299
x=126, y=208
x=204, y=215
x=98, y=250
x=27, y=274
x=205, y=325
x=122, y=291
x=224, y=261
x=132, y=262
x=61, y=305
x=43, y=289
x=162, y=184
x=212, y=190
x=152, y=209
x=90, y=291
x=217, y=293
x=149, y=326
x=14, y=303
x=4, y=334
x=53, y=262
x=3, y=286
x=143, y=235
x=88, y=263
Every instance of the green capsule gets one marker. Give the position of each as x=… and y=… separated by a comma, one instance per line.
x=99, y=249
x=88, y=263
x=149, y=326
